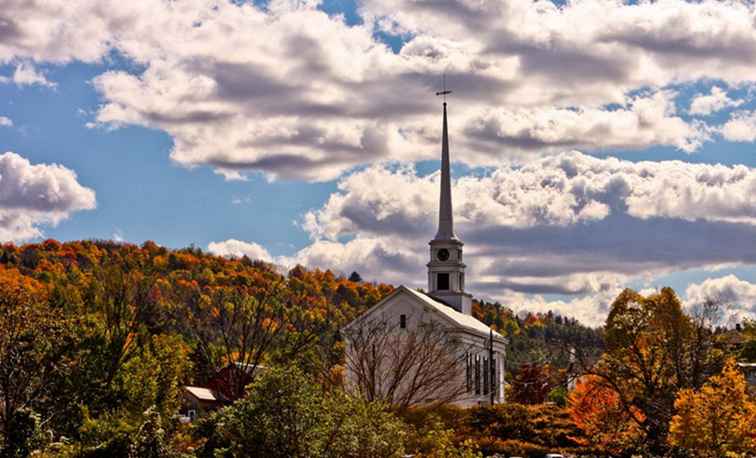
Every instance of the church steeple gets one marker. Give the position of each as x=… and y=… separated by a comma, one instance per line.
x=445, y=215
x=446, y=271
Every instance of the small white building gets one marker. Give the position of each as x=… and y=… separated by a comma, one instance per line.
x=413, y=348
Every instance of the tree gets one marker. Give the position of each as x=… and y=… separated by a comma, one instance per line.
x=653, y=350
x=717, y=420
x=34, y=341
x=595, y=408
x=748, y=352
x=405, y=367
x=286, y=415
x=355, y=277
x=530, y=384
x=239, y=330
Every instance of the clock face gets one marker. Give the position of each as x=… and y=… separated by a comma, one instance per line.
x=443, y=254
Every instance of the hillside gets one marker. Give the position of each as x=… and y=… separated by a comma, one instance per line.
x=164, y=279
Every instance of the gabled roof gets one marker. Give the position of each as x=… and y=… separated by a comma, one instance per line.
x=461, y=319
x=203, y=394
x=467, y=322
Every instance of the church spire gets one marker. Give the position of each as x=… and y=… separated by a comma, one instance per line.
x=446, y=271
x=445, y=215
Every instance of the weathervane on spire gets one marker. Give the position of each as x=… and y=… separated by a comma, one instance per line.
x=444, y=92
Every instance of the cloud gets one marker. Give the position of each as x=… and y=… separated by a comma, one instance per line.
x=27, y=75
x=736, y=297
x=642, y=121
x=741, y=127
x=237, y=248
x=32, y=195
x=6, y=122
x=569, y=224
x=716, y=100
x=58, y=31
x=317, y=97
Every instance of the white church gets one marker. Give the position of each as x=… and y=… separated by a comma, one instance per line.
x=390, y=354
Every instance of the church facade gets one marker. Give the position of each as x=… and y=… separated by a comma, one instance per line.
x=414, y=347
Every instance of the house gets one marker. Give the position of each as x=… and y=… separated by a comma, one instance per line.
x=749, y=372
x=414, y=347
x=197, y=401
x=231, y=380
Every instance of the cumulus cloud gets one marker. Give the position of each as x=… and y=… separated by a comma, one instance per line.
x=716, y=100
x=32, y=195
x=318, y=97
x=639, y=123
x=569, y=224
x=6, y=122
x=237, y=248
x=737, y=298
x=741, y=127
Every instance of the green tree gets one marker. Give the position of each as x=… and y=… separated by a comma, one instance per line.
x=286, y=415
x=748, y=352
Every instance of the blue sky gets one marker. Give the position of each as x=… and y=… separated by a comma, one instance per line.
x=103, y=107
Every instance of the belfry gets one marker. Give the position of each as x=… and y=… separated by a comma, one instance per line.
x=446, y=269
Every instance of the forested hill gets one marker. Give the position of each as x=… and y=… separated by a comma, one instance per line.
x=72, y=272
x=161, y=281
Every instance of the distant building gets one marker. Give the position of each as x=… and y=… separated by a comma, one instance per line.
x=749, y=371
x=229, y=376
x=197, y=401
x=478, y=350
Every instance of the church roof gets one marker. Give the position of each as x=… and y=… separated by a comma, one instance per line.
x=461, y=319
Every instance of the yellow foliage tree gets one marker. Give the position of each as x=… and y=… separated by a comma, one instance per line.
x=719, y=420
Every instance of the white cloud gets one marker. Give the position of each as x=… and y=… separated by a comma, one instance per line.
x=569, y=224
x=33, y=195
x=526, y=80
x=6, y=122
x=741, y=127
x=716, y=100
x=27, y=75
x=641, y=122
x=737, y=297
x=237, y=248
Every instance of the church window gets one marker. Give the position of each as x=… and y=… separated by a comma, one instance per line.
x=486, y=373
x=443, y=281
x=403, y=321
x=494, y=383
x=468, y=371
x=477, y=374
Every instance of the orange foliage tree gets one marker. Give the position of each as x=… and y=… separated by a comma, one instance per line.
x=595, y=408
x=717, y=420
x=653, y=350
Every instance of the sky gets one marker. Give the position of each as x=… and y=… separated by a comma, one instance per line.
x=596, y=144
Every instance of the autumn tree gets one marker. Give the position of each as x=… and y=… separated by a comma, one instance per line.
x=653, y=350
x=240, y=329
x=596, y=409
x=405, y=367
x=34, y=344
x=717, y=420
x=531, y=384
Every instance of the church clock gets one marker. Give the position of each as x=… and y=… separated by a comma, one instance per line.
x=443, y=254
